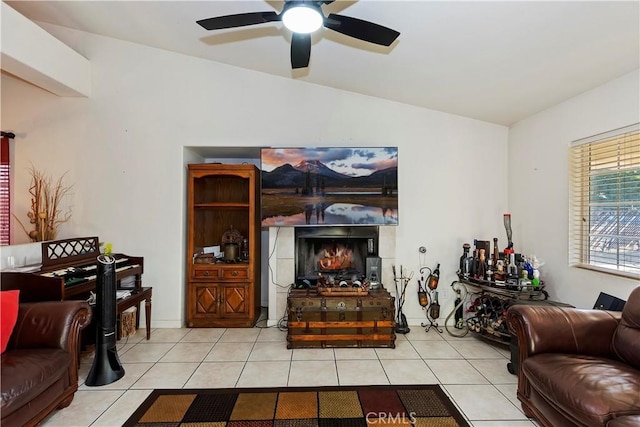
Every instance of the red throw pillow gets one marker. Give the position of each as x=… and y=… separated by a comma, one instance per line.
x=8, y=315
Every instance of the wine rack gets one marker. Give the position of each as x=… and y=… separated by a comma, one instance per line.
x=489, y=304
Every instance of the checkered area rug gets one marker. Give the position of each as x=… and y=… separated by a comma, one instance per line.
x=417, y=405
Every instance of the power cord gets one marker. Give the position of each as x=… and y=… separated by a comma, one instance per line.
x=275, y=246
x=464, y=327
x=283, y=322
x=260, y=319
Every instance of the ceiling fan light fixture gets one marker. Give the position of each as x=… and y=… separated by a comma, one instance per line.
x=302, y=19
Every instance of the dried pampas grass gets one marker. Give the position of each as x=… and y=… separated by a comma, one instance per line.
x=45, y=214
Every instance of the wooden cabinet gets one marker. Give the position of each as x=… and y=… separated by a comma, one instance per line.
x=223, y=293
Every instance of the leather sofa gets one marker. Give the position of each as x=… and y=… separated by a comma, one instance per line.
x=579, y=367
x=39, y=371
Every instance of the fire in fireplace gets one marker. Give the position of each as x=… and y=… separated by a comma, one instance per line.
x=338, y=253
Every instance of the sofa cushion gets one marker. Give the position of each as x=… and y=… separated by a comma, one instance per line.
x=27, y=373
x=589, y=389
x=625, y=421
x=8, y=315
x=626, y=341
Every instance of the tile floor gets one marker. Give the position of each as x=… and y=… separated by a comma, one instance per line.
x=472, y=371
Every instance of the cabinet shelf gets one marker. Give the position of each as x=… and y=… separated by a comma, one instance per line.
x=536, y=293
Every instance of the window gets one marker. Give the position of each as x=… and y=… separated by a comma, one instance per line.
x=604, y=228
x=5, y=220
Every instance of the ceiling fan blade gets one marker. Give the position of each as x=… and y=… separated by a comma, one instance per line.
x=238, y=20
x=363, y=30
x=300, y=50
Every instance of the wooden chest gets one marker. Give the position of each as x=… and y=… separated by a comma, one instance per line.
x=316, y=321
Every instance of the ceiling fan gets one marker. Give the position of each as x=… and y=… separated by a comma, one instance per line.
x=303, y=17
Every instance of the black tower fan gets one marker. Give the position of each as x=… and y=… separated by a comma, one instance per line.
x=106, y=366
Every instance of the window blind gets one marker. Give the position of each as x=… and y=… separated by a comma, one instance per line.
x=604, y=202
x=5, y=220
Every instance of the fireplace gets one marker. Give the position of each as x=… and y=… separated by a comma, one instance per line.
x=281, y=264
x=337, y=253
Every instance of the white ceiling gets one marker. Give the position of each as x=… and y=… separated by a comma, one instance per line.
x=493, y=61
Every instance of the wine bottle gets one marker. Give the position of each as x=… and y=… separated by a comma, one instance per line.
x=474, y=264
x=459, y=316
x=463, y=260
x=434, y=308
x=432, y=283
x=423, y=299
x=496, y=252
x=422, y=293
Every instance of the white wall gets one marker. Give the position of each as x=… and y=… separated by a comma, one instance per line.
x=123, y=148
x=539, y=189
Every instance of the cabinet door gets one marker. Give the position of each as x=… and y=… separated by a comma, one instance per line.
x=236, y=301
x=207, y=299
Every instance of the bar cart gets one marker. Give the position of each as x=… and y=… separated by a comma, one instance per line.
x=490, y=303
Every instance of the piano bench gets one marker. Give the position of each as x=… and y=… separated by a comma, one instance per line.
x=137, y=296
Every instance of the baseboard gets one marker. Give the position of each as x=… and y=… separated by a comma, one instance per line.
x=165, y=324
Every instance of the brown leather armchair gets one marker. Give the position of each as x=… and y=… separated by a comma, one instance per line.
x=579, y=367
x=39, y=371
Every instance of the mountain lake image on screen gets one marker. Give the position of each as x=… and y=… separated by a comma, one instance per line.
x=329, y=186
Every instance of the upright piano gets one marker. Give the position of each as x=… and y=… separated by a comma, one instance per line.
x=68, y=272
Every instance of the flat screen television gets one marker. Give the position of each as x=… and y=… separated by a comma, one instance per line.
x=329, y=186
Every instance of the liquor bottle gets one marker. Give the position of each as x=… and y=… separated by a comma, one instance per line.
x=496, y=253
x=463, y=260
x=524, y=284
x=481, y=266
x=468, y=266
x=499, y=275
x=432, y=283
x=489, y=272
x=536, y=278
x=245, y=249
x=474, y=264
x=512, y=268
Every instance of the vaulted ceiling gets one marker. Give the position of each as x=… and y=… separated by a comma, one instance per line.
x=493, y=61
